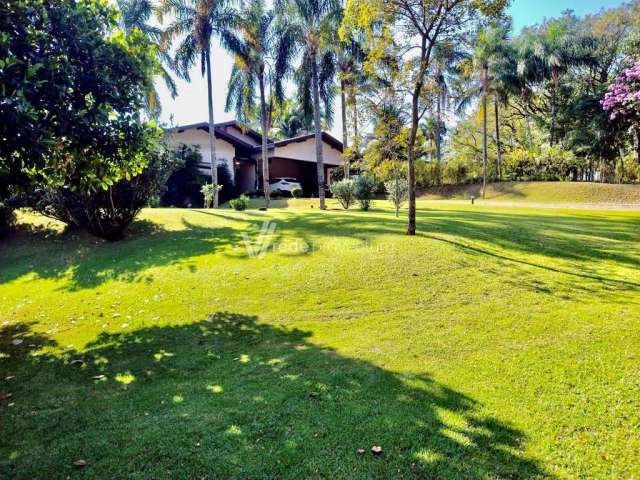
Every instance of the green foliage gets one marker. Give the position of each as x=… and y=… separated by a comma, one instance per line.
x=108, y=213
x=207, y=191
x=241, y=203
x=184, y=184
x=70, y=115
x=7, y=218
x=297, y=193
x=345, y=192
x=365, y=188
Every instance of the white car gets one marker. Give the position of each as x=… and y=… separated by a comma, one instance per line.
x=285, y=184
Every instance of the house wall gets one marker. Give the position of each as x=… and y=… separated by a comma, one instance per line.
x=306, y=151
x=238, y=134
x=225, y=152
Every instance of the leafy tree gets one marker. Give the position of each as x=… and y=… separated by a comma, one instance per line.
x=397, y=189
x=308, y=30
x=622, y=101
x=408, y=31
x=70, y=119
x=194, y=24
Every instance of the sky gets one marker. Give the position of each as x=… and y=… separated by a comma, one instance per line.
x=190, y=106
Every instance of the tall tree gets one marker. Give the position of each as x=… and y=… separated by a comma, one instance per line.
x=194, y=24
x=307, y=30
x=349, y=58
x=410, y=30
x=255, y=64
x=136, y=14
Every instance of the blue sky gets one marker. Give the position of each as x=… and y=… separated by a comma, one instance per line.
x=191, y=106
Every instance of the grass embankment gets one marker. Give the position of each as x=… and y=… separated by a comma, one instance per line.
x=542, y=192
x=498, y=343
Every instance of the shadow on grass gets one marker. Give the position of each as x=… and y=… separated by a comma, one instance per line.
x=579, y=243
x=89, y=261
x=229, y=397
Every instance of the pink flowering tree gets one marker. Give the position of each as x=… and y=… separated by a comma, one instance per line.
x=622, y=102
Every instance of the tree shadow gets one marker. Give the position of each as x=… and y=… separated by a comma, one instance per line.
x=590, y=245
x=89, y=262
x=229, y=397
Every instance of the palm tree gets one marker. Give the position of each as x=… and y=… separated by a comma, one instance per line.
x=549, y=54
x=136, y=14
x=194, y=23
x=255, y=64
x=308, y=28
x=349, y=58
x=489, y=49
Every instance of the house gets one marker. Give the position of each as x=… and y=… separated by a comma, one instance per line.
x=239, y=147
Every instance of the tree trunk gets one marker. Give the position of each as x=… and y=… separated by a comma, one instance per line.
x=265, y=133
x=554, y=87
x=485, y=75
x=318, y=129
x=212, y=135
x=496, y=109
x=439, y=120
x=636, y=143
x=345, y=133
x=411, y=167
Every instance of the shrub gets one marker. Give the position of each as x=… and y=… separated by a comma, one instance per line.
x=107, y=213
x=207, y=192
x=365, y=189
x=241, y=203
x=345, y=192
x=397, y=191
x=276, y=193
x=184, y=184
x=297, y=193
x=7, y=218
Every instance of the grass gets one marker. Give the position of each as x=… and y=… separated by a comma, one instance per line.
x=543, y=192
x=498, y=343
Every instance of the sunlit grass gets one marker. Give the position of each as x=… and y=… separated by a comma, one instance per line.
x=498, y=343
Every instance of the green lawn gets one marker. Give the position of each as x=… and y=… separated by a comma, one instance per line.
x=498, y=343
x=543, y=192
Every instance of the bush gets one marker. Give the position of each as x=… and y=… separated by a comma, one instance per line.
x=365, y=189
x=397, y=191
x=345, y=192
x=107, y=213
x=7, y=218
x=276, y=193
x=241, y=203
x=207, y=191
x=297, y=193
x=184, y=184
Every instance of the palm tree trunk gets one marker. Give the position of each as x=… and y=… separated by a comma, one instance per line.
x=554, y=87
x=485, y=75
x=496, y=109
x=265, y=133
x=345, y=133
x=212, y=134
x=318, y=130
x=439, y=120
